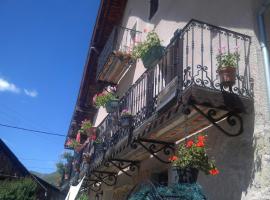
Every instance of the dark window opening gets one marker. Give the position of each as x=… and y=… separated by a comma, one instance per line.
x=153, y=8
x=160, y=178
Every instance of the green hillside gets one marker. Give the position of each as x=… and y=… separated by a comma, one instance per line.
x=51, y=178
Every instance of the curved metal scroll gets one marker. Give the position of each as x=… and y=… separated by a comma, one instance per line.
x=122, y=164
x=108, y=178
x=154, y=147
x=232, y=120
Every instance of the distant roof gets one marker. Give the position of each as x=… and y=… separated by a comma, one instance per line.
x=13, y=158
x=45, y=185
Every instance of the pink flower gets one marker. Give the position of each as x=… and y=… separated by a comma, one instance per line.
x=222, y=49
x=145, y=30
x=78, y=137
x=68, y=142
x=95, y=98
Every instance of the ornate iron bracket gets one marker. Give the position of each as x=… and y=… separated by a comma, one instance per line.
x=94, y=185
x=122, y=164
x=154, y=147
x=231, y=118
x=108, y=178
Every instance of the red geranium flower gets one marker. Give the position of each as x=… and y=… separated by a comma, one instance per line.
x=214, y=172
x=93, y=137
x=200, y=144
x=173, y=158
x=201, y=138
x=189, y=143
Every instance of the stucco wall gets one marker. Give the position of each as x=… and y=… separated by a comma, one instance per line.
x=267, y=24
x=244, y=161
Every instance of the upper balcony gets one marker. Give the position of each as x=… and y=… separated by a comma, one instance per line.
x=115, y=57
x=182, y=94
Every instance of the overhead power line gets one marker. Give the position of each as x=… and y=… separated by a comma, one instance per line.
x=32, y=130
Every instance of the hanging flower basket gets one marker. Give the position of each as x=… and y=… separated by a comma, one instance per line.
x=150, y=51
x=186, y=175
x=126, y=121
x=107, y=99
x=191, y=157
x=125, y=118
x=227, y=64
x=227, y=76
x=112, y=105
x=152, y=57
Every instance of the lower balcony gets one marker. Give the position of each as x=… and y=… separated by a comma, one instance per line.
x=183, y=94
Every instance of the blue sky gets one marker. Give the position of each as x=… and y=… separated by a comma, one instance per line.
x=43, y=48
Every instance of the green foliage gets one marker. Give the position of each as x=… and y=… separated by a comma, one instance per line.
x=52, y=178
x=67, y=156
x=60, y=166
x=152, y=40
x=85, y=126
x=227, y=59
x=82, y=196
x=192, y=154
x=103, y=98
x=72, y=143
x=21, y=189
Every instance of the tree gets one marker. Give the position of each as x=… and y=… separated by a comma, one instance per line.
x=21, y=189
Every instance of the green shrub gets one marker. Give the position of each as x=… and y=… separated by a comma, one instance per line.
x=21, y=189
x=152, y=40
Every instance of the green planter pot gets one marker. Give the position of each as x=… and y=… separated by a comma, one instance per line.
x=152, y=57
x=187, y=175
x=126, y=121
x=112, y=106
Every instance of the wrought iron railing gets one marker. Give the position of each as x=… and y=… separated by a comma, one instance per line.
x=120, y=40
x=189, y=60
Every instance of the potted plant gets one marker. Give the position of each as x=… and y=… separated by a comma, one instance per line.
x=74, y=144
x=125, y=118
x=190, y=158
x=227, y=64
x=107, y=99
x=150, y=51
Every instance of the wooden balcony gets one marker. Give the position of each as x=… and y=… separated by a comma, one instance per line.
x=181, y=95
x=115, y=57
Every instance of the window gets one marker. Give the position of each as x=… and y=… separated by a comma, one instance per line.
x=153, y=8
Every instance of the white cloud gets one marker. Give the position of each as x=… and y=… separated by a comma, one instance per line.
x=30, y=93
x=6, y=86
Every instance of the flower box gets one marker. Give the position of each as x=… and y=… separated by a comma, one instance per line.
x=112, y=105
x=152, y=57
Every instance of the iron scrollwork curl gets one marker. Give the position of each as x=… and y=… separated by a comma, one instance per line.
x=232, y=119
x=154, y=146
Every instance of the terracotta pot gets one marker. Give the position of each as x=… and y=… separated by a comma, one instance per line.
x=187, y=175
x=227, y=76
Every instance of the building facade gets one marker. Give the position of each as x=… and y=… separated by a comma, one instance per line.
x=178, y=97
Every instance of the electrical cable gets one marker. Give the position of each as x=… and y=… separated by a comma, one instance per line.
x=32, y=130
